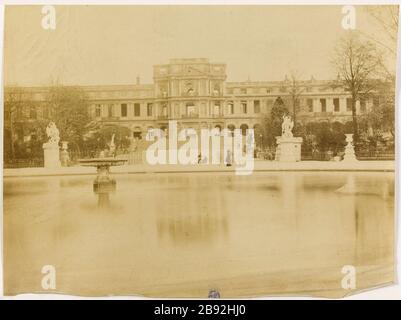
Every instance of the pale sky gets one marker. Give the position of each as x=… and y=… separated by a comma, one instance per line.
x=114, y=44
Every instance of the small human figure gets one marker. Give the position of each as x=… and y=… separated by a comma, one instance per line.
x=112, y=147
x=228, y=158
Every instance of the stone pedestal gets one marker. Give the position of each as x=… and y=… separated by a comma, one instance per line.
x=51, y=155
x=103, y=184
x=288, y=149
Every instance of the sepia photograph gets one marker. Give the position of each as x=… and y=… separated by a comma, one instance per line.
x=199, y=151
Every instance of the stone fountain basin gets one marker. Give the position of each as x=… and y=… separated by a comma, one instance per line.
x=103, y=184
x=97, y=162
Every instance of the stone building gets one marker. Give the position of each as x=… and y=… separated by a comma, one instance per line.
x=196, y=94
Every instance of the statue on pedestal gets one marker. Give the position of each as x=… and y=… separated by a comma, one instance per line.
x=51, y=148
x=288, y=147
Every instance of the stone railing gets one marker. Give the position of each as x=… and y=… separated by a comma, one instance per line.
x=190, y=116
x=162, y=117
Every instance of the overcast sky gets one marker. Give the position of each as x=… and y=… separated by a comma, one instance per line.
x=115, y=44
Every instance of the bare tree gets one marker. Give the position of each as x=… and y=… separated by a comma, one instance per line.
x=357, y=63
x=295, y=91
x=386, y=18
x=13, y=104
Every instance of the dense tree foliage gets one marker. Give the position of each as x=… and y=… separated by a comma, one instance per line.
x=69, y=109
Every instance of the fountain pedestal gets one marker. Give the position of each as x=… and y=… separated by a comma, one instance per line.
x=103, y=185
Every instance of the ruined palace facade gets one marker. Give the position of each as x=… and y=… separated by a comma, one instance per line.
x=196, y=94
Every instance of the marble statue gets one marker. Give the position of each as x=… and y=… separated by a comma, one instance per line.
x=53, y=133
x=51, y=148
x=112, y=146
x=287, y=126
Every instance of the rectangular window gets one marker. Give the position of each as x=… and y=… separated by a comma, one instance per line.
x=150, y=109
x=336, y=103
x=230, y=91
x=244, y=107
x=216, y=108
x=124, y=110
x=137, y=109
x=191, y=109
x=349, y=104
x=243, y=90
x=256, y=106
x=98, y=111
x=110, y=110
x=164, y=110
x=310, y=104
x=230, y=107
x=323, y=105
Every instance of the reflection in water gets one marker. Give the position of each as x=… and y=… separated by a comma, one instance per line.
x=196, y=215
x=103, y=200
x=182, y=234
x=181, y=230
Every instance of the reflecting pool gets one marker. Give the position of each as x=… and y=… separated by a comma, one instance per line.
x=185, y=234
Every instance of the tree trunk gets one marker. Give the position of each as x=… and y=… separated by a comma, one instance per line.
x=294, y=114
x=12, y=136
x=354, y=119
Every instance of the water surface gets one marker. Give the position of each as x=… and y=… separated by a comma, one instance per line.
x=185, y=234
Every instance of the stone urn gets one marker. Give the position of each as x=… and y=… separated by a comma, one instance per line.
x=64, y=155
x=349, y=153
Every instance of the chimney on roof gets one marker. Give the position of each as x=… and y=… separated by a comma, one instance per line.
x=138, y=80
